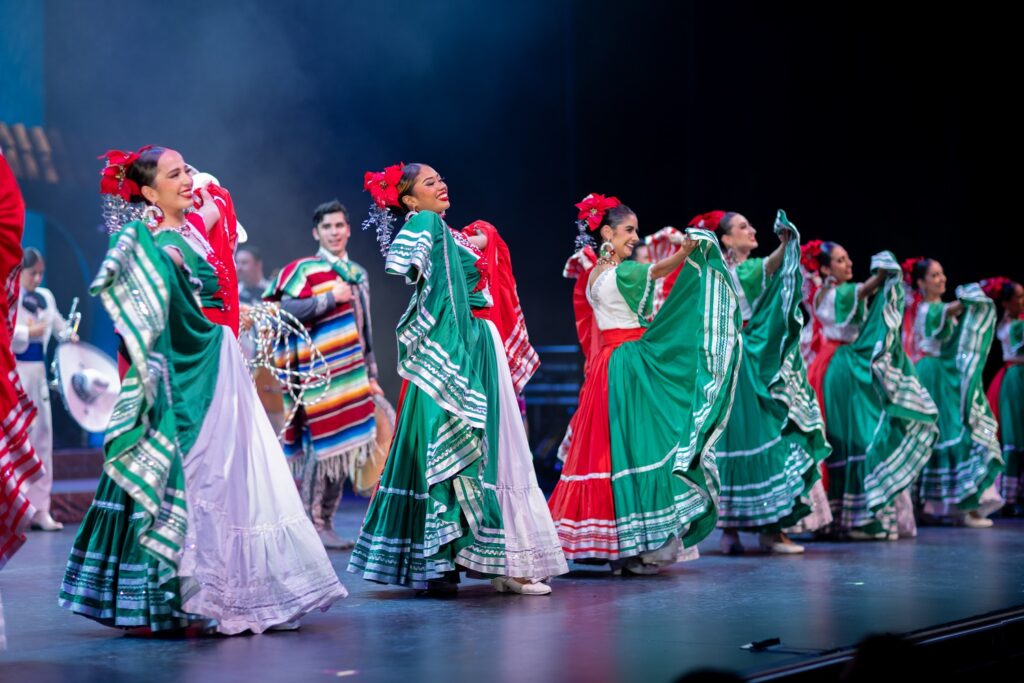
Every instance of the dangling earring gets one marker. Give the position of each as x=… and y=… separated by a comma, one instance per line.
x=152, y=216
x=605, y=254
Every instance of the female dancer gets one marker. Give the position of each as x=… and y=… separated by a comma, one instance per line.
x=1006, y=392
x=879, y=420
x=770, y=453
x=639, y=481
x=196, y=517
x=458, y=491
x=952, y=341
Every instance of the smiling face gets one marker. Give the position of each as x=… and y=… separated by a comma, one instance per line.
x=333, y=232
x=624, y=236
x=840, y=266
x=933, y=284
x=171, y=190
x=739, y=235
x=1015, y=304
x=428, y=192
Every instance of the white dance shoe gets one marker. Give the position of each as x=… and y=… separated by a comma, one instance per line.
x=635, y=567
x=506, y=584
x=292, y=625
x=972, y=521
x=771, y=543
x=333, y=541
x=44, y=522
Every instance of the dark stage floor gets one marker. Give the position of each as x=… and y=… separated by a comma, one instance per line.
x=594, y=627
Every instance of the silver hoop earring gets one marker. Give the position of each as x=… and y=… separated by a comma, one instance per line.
x=152, y=216
x=605, y=253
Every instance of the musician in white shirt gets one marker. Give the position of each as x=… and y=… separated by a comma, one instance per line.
x=38, y=321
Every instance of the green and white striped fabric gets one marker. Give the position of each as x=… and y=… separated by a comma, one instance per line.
x=124, y=561
x=768, y=456
x=1010, y=400
x=436, y=506
x=670, y=393
x=967, y=456
x=880, y=421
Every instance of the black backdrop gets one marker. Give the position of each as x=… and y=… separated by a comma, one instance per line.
x=872, y=126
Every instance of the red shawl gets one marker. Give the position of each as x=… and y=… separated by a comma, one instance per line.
x=578, y=268
x=506, y=313
x=223, y=237
x=19, y=464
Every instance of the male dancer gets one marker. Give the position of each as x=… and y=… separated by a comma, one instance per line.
x=252, y=283
x=330, y=294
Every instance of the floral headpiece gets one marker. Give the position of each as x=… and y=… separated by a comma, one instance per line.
x=908, y=269
x=113, y=180
x=593, y=208
x=995, y=287
x=591, y=215
x=383, y=188
x=117, y=189
x=810, y=254
x=707, y=221
x=383, y=185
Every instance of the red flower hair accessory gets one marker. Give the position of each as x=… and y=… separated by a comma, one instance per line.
x=707, y=221
x=383, y=188
x=593, y=208
x=908, y=269
x=113, y=180
x=809, y=256
x=383, y=185
x=995, y=286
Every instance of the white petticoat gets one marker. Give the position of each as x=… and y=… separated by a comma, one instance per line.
x=532, y=549
x=252, y=558
x=820, y=515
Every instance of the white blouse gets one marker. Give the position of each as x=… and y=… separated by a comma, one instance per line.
x=825, y=310
x=1003, y=335
x=610, y=308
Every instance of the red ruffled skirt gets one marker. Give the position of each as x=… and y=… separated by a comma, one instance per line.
x=582, y=505
x=994, y=388
x=816, y=378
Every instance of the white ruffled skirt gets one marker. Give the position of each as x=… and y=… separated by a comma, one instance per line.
x=532, y=548
x=252, y=559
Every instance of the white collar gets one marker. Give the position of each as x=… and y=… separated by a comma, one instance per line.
x=331, y=258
